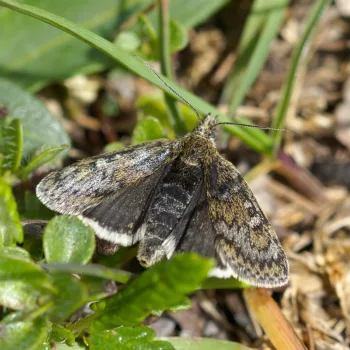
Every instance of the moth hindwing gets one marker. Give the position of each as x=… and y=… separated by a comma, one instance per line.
x=173, y=196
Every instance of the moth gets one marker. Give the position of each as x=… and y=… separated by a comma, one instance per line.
x=173, y=196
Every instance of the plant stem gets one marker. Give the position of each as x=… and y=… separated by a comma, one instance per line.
x=272, y=320
x=165, y=62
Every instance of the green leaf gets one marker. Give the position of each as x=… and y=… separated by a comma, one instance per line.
x=147, y=129
x=10, y=226
x=178, y=36
x=28, y=335
x=15, y=252
x=184, y=343
x=71, y=296
x=13, y=145
x=44, y=156
x=141, y=338
x=144, y=40
x=162, y=287
x=128, y=41
x=113, y=146
x=256, y=138
x=61, y=334
x=21, y=282
x=36, y=61
x=67, y=239
x=153, y=105
x=40, y=127
x=185, y=304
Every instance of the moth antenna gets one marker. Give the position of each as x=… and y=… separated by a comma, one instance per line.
x=254, y=126
x=169, y=87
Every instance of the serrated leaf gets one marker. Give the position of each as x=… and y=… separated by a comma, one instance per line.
x=70, y=297
x=10, y=226
x=184, y=343
x=147, y=129
x=68, y=240
x=28, y=335
x=42, y=158
x=21, y=282
x=35, y=61
x=161, y=287
x=12, y=145
x=141, y=338
x=40, y=127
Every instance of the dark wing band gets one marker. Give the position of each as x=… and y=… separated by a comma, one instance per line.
x=244, y=239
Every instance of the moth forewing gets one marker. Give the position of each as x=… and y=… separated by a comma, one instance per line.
x=90, y=181
x=245, y=241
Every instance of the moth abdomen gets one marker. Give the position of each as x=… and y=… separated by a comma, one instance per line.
x=169, y=206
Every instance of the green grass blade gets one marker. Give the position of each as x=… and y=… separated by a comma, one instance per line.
x=255, y=138
x=262, y=27
x=284, y=102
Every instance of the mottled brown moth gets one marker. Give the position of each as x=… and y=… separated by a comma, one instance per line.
x=173, y=196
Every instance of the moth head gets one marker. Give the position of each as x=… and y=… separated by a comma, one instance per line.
x=206, y=127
